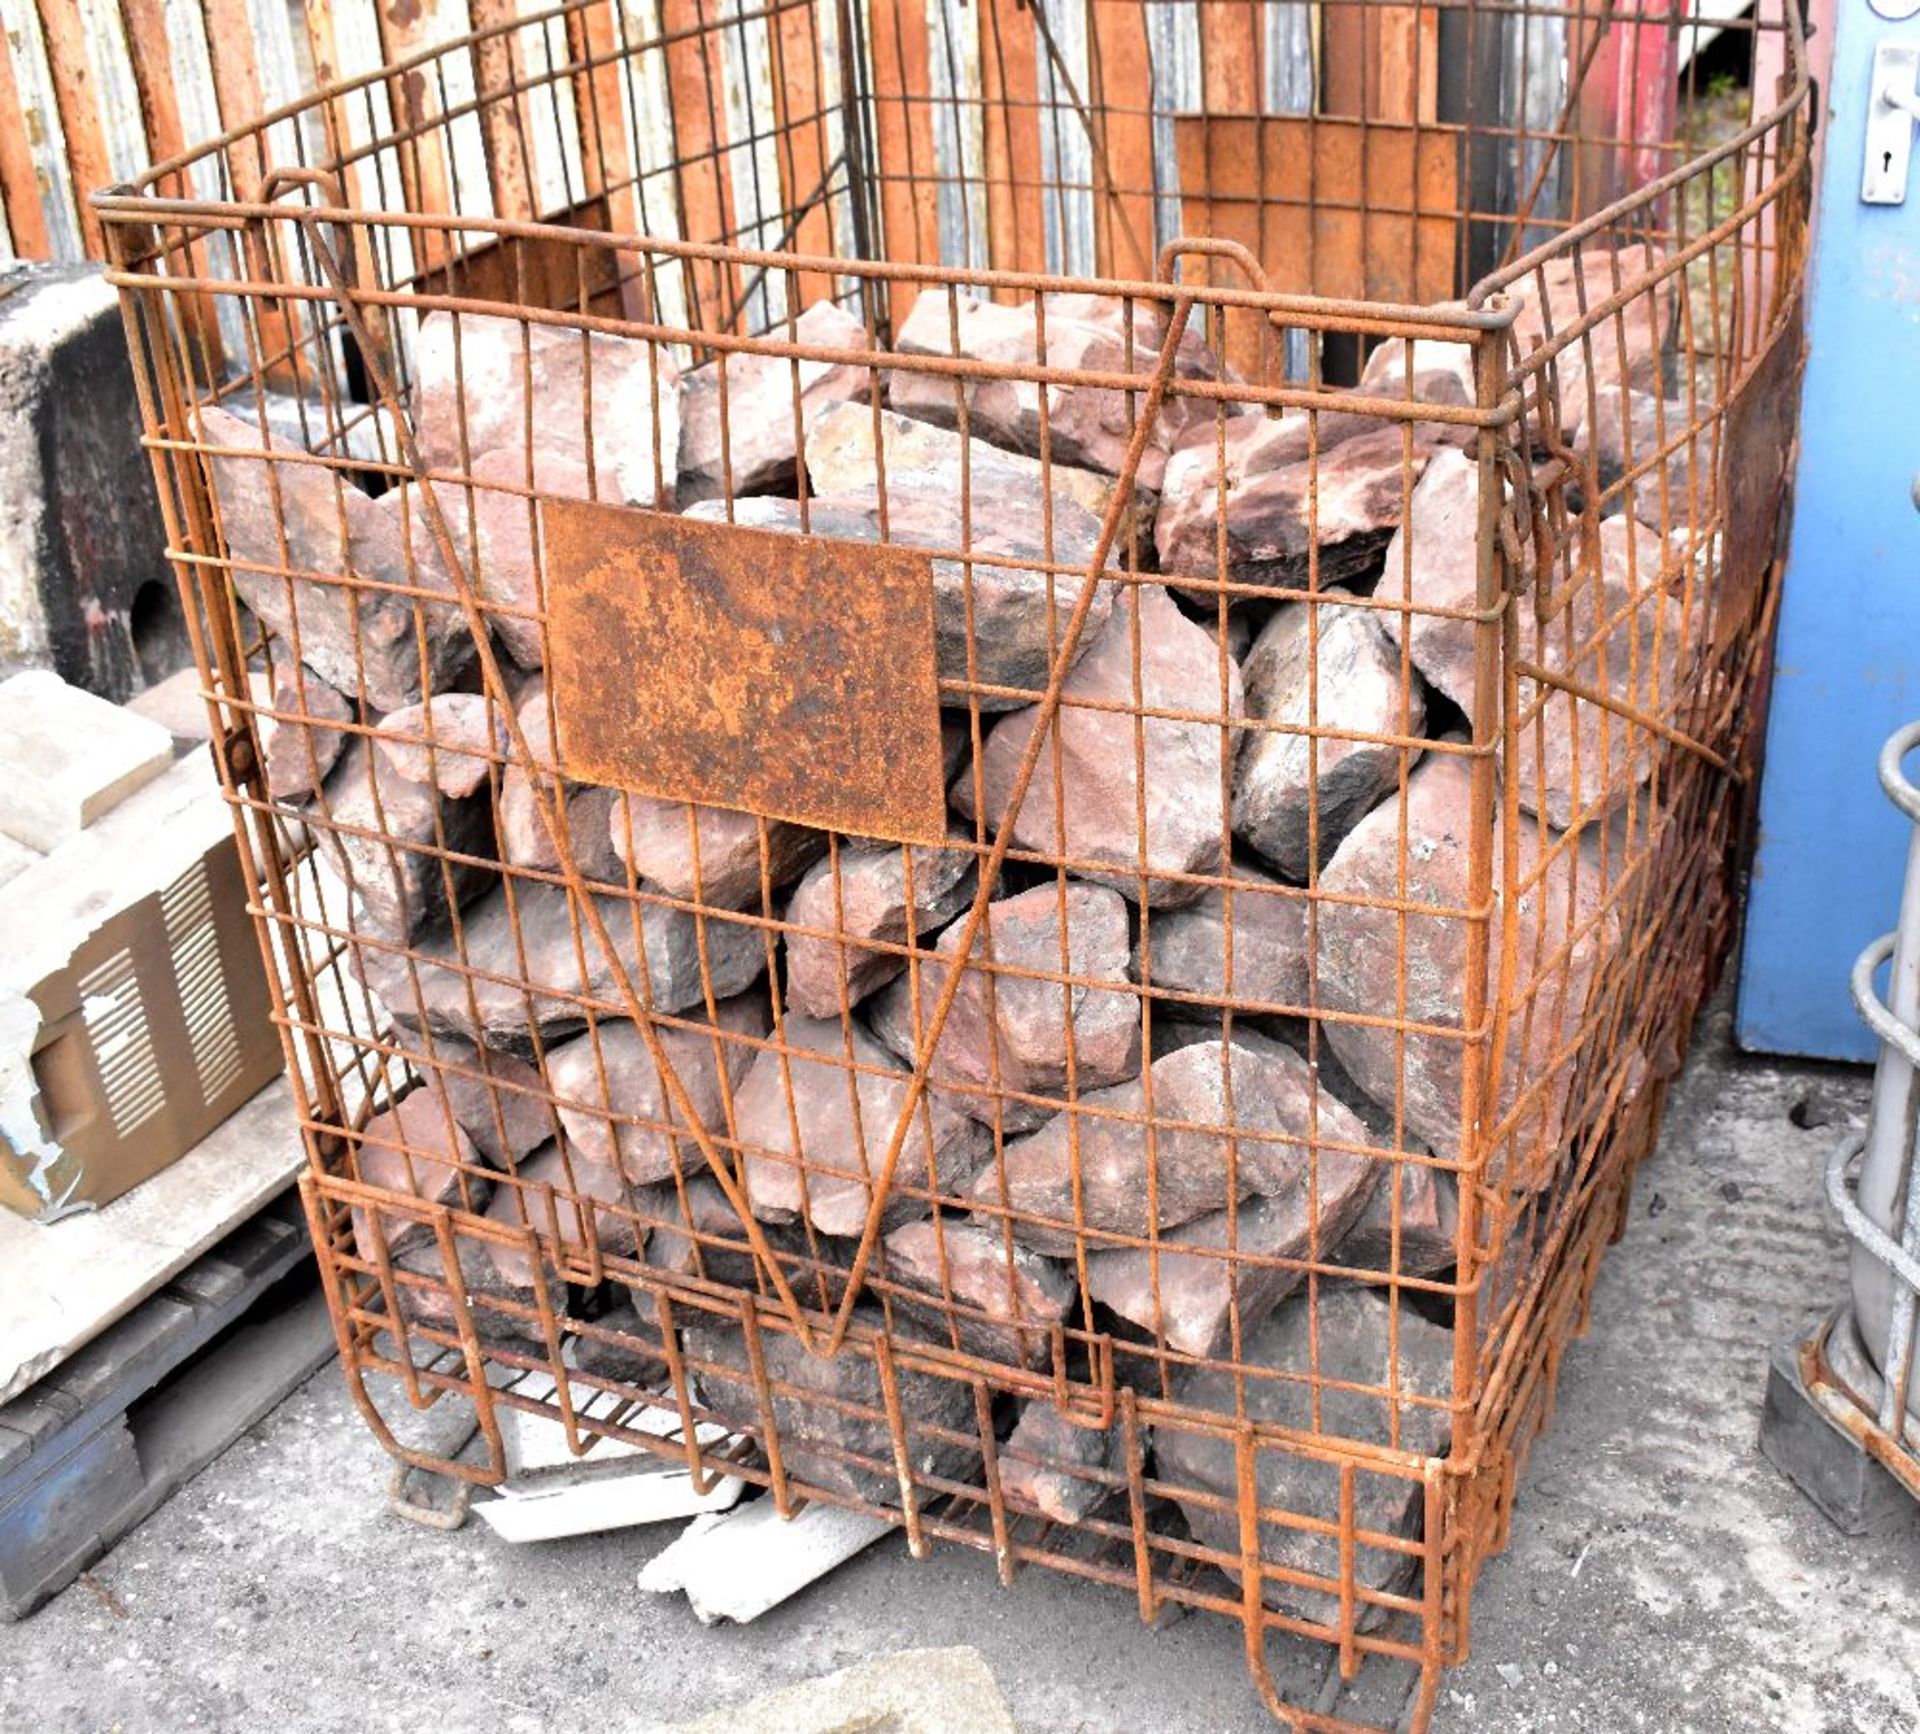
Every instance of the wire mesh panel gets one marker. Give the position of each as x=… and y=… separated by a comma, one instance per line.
x=1050, y=905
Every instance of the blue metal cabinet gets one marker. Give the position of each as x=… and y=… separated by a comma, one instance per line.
x=1847, y=666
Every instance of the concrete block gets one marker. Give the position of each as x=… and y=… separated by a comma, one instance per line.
x=70, y=757
x=1851, y=1490
x=947, y=1691
x=81, y=538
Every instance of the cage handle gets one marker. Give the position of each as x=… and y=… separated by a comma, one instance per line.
x=549, y=809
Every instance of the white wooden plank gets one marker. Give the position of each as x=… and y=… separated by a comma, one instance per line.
x=66, y=1282
x=753, y=161
x=1173, y=34
x=959, y=132
x=1066, y=149
x=650, y=138
x=740, y=1566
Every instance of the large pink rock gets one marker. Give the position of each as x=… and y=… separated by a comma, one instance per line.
x=1243, y=1261
x=416, y=1150
x=615, y=1106
x=1205, y=1153
x=498, y=1099
x=572, y=1201
x=1559, y=299
x=1332, y=668
x=506, y=496
x=831, y=1411
x=658, y=840
x=759, y=445
x=843, y=458
x=1426, y=1201
x=1622, y=635
x=515, y=977
x=816, y=1132
x=1059, y=1468
x=408, y=851
x=1180, y=668
x=1557, y=947
x=598, y=401
x=313, y=556
x=1322, y=1364
x=986, y=1296
x=1629, y=431
x=998, y=616
x=525, y=840
x=452, y=741
x=1443, y=374
x=1326, y=517
x=298, y=752
x=864, y=897
x=1085, y=425
x=1008, y=1034
x=1184, y=952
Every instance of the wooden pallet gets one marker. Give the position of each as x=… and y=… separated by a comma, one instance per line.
x=94, y=1447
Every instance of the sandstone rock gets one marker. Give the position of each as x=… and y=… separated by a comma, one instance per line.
x=629, y=1353
x=1344, y=668
x=924, y=457
x=1428, y=1200
x=485, y=988
x=1442, y=374
x=1623, y=636
x=1179, y=669
x=597, y=400
x=657, y=840
x=831, y=1412
x=842, y=1155
x=524, y=838
x=1274, y=1109
x=414, y=1149
x=1060, y=1469
x=1342, y=1335
x=1361, y=946
x=505, y=540
x=451, y=741
x=396, y=840
x=761, y=441
x=298, y=755
x=488, y=1299
x=1016, y=624
x=866, y=907
x=1011, y=1286
x=1549, y=306
x=615, y=1106
x=1184, y=951
x=1330, y=515
x=1630, y=562
x=362, y=640
x=1086, y=425
x=1642, y=422
x=1200, y=1280
x=1010, y=1032
x=498, y=1099
x=568, y=1198
x=1443, y=529
x=696, y=1232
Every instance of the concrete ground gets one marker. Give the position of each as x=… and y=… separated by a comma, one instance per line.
x=1661, y=1578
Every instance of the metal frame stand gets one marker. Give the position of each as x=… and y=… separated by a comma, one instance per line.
x=1840, y=1416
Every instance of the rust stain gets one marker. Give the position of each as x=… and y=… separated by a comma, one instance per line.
x=782, y=675
x=404, y=13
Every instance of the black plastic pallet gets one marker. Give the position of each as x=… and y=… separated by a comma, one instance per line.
x=91, y=1449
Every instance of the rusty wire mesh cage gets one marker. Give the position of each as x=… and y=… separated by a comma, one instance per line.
x=945, y=772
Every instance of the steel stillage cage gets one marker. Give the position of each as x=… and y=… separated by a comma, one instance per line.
x=949, y=776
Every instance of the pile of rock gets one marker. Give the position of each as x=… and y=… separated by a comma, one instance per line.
x=1257, y=807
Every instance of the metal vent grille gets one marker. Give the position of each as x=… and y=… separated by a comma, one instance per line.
x=193, y=938
x=116, y=1019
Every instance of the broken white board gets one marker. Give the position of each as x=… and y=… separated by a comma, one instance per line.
x=738, y=1566
x=551, y=1491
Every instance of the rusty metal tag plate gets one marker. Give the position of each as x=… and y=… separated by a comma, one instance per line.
x=783, y=675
